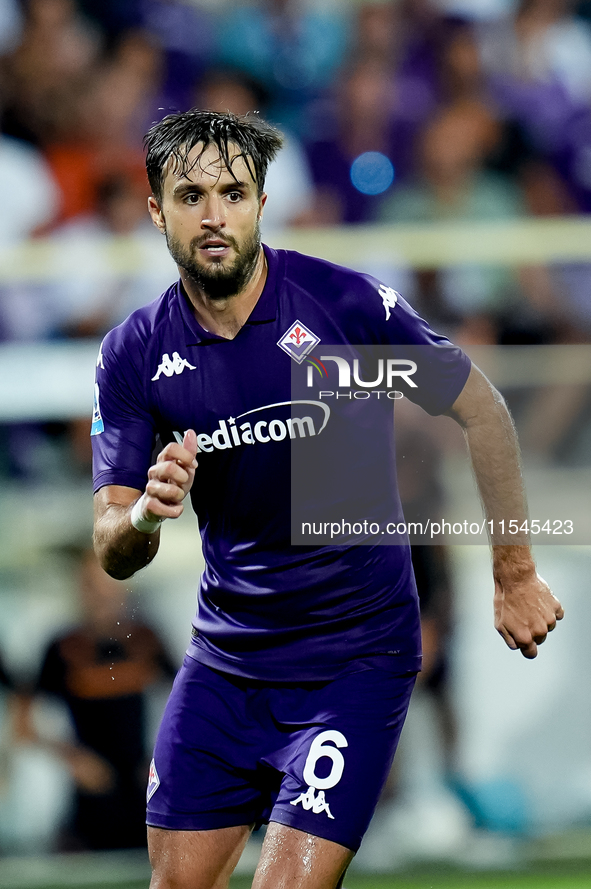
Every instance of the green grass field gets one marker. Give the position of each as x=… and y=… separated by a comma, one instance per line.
x=461, y=880
x=569, y=877
x=131, y=871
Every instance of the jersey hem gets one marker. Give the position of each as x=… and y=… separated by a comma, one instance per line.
x=125, y=479
x=461, y=380
x=400, y=664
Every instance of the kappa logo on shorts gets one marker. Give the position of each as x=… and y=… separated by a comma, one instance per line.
x=298, y=341
x=153, y=781
x=318, y=803
x=169, y=366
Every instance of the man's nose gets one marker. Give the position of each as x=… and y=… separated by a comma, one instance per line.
x=213, y=216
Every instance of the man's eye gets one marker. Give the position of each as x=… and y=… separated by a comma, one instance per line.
x=234, y=196
x=191, y=198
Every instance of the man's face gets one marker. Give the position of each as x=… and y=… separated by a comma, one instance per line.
x=211, y=221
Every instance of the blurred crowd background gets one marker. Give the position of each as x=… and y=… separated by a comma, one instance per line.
x=395, y=112
x=399, y=112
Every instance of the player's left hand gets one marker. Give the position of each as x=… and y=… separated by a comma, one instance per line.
x=525, y=612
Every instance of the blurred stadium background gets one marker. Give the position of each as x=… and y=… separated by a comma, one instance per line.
x=441, y=145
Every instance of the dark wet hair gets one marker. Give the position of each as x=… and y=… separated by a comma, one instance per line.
x=177, y=134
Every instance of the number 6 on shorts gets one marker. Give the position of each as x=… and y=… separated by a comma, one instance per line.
x=318, y=749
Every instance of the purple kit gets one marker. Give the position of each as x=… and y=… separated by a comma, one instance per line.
x=302, y=657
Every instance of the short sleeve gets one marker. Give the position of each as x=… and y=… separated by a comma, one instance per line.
x=123, y=429
x=437, y=369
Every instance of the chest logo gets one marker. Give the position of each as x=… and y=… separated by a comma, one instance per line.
x=169, y=366
x=298, y=341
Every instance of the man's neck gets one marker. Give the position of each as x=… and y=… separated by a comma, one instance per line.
x=225, y=317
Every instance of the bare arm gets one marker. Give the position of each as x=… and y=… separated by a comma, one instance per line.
x=525, y=609
x=121, y=548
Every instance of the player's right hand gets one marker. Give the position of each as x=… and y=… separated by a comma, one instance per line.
x=170, y=479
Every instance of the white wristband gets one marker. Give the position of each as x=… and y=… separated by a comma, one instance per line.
x=146, y=526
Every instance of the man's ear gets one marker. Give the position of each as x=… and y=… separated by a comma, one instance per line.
x=262, y=202
x=156, y=213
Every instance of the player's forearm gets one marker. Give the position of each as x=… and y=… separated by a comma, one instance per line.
x=127, y=538
x=496, y=462
x=121, y=549
x=525, y=609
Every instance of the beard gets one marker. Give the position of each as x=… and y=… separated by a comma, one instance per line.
x=218, y=281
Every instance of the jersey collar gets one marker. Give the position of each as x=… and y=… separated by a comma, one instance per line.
x=264, y=311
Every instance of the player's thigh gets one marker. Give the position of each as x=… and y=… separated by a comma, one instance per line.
x=298, y=860
x=195, y=859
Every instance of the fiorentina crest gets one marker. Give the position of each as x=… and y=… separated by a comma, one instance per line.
x=298, y=341
x=153, y=781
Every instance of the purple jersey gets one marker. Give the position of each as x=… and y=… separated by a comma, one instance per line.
x=269, y=609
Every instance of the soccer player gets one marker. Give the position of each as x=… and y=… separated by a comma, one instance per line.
x=290, y=701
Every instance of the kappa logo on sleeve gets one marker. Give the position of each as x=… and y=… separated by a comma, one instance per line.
x=298, y=341
x=169, y=366
x=389, y=297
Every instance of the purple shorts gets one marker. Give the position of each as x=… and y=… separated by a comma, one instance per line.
x=313, y=756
